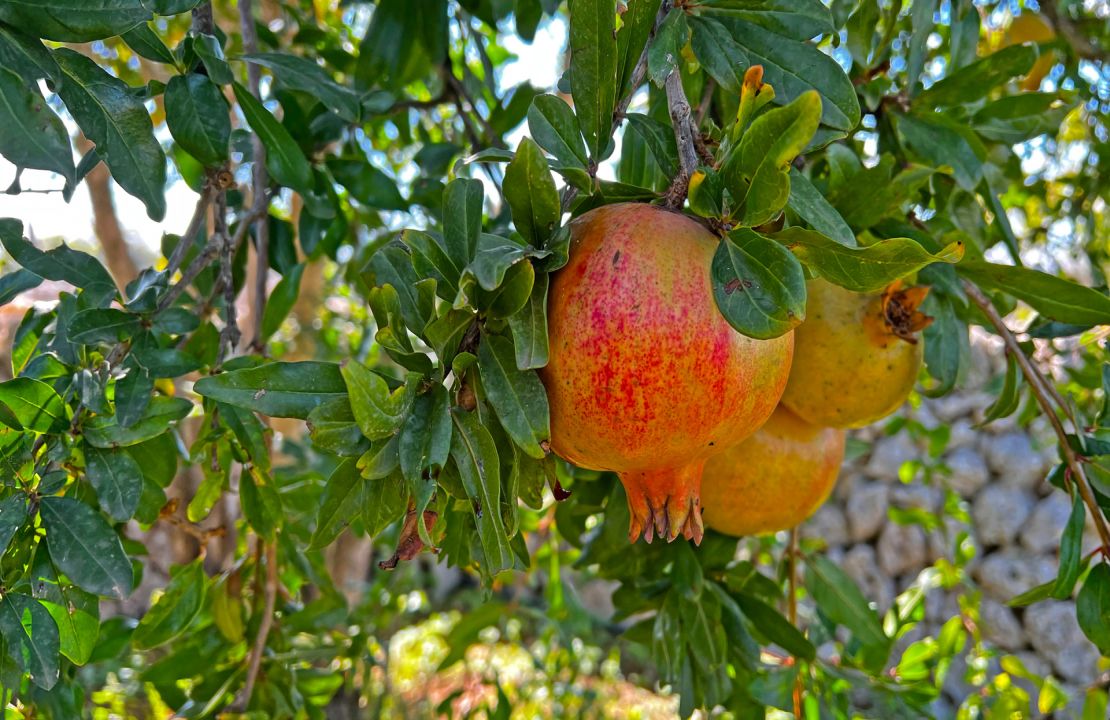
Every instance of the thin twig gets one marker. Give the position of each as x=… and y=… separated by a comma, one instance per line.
x=267, y=620
x=259, y=180
x=229, y=336
x=706, y=100
x=683, y=125
x=1044, y=392
x=792, y=608
x=200, y=216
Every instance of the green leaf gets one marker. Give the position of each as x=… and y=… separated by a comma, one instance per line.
x=175, y=610
x=921, y=17
x=284, y=159
x=281, y=300
x=332, y=427
x=462, y=219
x=31, y=134
x=792, y=67
x=517, y=396
x=35, y=405
x=812, y=207
x=75, y=21
x=103, y=325
x=770, y=623
x=76, y=612
x=261, y=502
x=941, y=141
x=759, y=286
x=1018, y=118
x=211, y=53
x=1051, y=296
x=838, y=597
x=133, y=393
x=280, y=389
x=115, y=119
x=977, y=80
x=13, y=515
x=339, y=504
x=1071, y=550
x=367, y=184
x=378, y=411
x=425, y=438
x=430, y=260
x=31, y=635
x=13, y=284
x=144, y=41
x=381, y=459
x=106, y=431
x=530, y=190
x=117, y=479
x=796, y=19
x=553, y=125
x=593, y=70
x=26, y=56
x=85, y=548
x=659, y=139
x=1092, y=607
x=637, y=22
x=1006, y=403
x=301, y=74
x=863, y=269
x=392, y=266
x=60, y=263
x=764, y=154
x=529, y=327
x=666, y=49
x=475, y=456
x=196, y=114
x=946, y=344
x=720, y=55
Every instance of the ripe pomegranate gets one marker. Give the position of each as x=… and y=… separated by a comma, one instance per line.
x=645, y=376
x=857, y=356
x=773, y=480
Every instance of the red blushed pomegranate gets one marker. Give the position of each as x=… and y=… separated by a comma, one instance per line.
x=645, y=377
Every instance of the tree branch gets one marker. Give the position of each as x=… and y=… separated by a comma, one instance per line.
x=259, y=181
x=1079, y=42
x=1044, y=393
x=267, y=621
x=684, y=133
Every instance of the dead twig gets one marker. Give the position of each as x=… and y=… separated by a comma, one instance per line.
x=270, y=590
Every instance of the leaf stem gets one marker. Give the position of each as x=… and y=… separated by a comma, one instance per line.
x=1046, y=395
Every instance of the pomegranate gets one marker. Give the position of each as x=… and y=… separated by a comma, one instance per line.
x=646, y=378
x=857, y=355
x=773, y=480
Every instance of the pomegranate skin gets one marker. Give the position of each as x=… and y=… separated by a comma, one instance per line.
x=646, y=378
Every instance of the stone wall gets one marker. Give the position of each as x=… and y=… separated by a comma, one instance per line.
x=998, y=472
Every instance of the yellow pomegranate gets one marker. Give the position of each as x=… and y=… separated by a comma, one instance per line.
x=773, y=480
x=856, y=357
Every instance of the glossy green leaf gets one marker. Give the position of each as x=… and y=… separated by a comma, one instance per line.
x=947, y=347
x=144, y=41
x=74, y=21
x=759, y=286
x=425, y=439
x=796, y=19
x=339, y=504
x=211, y=53
x=175, y=609
x=475, y=456
x=462, y=219
x=13, y=284
x=301, y=74
x=261, y=503
x=637, y=22
x=59, y=263
x=517, y=396
x=841, y=600
x=196, y=114
x=530, y=190
x=13, y=515
x=812, y=207
x=133, y=394
x=720, y=55
x=284, y=159
x=1071, y=550
x=105, y=431
x=31, y=134
x=770, y=623
x=76, y=612
x=85, y=548
x=280, y=389
x=332, y=427
x=1009, y=396
x=378, y=411
x=31, y=636
x=115, y=120
x=103, y=325
x=117, y=479
x=863, y=269
x=26, y=56
x=976, y=80
x=665, y=51
x=593, y=70
x=430, y=260
x=35, y=405
x=553, y=125
x=658, y=138
x=941, y=141
x=1092, y=607
x=1018, y=118
x=1051, y=296
x=367, y=184
x=529, y=328
x=281, y=300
